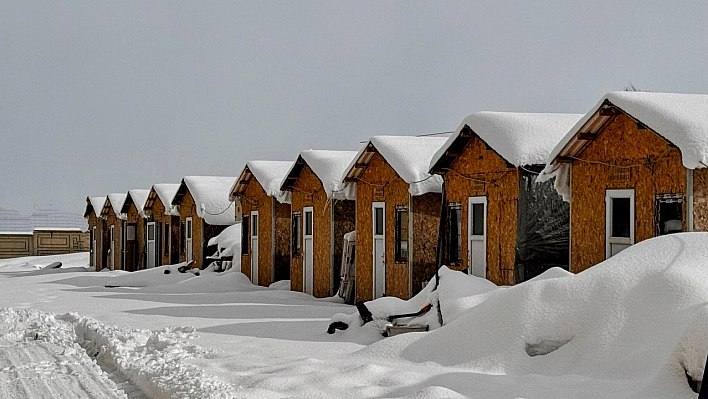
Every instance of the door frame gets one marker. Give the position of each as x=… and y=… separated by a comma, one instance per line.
x=382, y=238
x=94, y=247
x=609, y=240
x=253, y=230
x=308, y=286
x=471, y=237
x=112, y=238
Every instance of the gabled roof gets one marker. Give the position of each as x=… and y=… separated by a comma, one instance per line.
x=269, y=175
x=682, y=119
x=137, y=197
x=114, y=202
x=518, y=138
x=328, y=166
x=94, y=204
x=409, y=156
x=166, y=193
x=211, y=196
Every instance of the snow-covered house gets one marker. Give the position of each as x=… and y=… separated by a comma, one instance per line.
x=97, y=229
x=204, y=212
x=397, y=215
x=114, y=219
x=134, y=230
x=640, y=160
x=163, y=243
x=500, y=224
x=265, y=235
x=322, y=211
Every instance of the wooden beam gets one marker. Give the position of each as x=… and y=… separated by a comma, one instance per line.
x=360, y=165
x=562, y=159
x=609, y=111
x=641, y=126
x=587, y=136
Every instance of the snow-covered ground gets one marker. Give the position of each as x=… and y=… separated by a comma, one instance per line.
x=631, y=327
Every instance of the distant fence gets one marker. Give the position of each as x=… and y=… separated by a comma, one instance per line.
x=43, y=242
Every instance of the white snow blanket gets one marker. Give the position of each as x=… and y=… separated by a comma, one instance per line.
x=682, y=119
x=329, y=166
x=410, y=157
x=270, y=175
x=211, y=195
x=139, y=197
x=96, y=204
x=166, y=192
x=520, y=138
x=116, y=201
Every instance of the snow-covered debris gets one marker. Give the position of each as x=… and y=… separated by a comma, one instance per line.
x=329, y=167
x=211, y=196
x=520, y=138
x=270, y=175
x=138, y=197
x=409, y=156
x=166, y=192
x=681, y=119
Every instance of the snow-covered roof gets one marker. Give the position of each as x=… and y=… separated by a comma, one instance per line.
x=520, y=138
x=116, y=201
x=681, y=119
x=57, y=229
x=269, y=174
x=166, y=192
x=409, y=156
x=211, y=195
x=137, y=197
x=96, y=203
x=329, y=167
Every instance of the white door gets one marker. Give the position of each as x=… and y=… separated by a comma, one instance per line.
x=111, y=235
x=93, y=248
x=477, y=236
x=150, y=244
x=254, y=247
x=619, y=221
x=378, y=210
x=308, y=251
x=188, y=238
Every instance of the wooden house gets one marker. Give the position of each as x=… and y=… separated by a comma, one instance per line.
x=163, y=244
x=265, y=249
x=204, y=211
x=134, y=230
x=322, y=211
x=97, y=230
x=500, y=224
x=632, y=168
x=397, y=215
x=114, y=219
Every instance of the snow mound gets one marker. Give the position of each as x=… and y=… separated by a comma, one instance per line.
x=211, y=282
x=153, y=277
x=283, y=285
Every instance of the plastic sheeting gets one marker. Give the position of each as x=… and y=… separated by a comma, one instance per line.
x=543, y=226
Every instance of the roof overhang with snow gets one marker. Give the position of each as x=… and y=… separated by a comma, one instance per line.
x=138, y=198
x=268, y=174
x=454, y=149
x=211, y=197
x=328, y=166
x=114, y=203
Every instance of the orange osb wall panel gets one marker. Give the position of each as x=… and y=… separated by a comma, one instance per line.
x=134, y=217
x=188, y=209
x=255, y=199
x=344, y=222
x=425, y=211
x=700, y=199
x=480, y=171
x=113, y=220
x=379, y=175
x=282, y=241
x=308, y=191
x=103, y=245
x=656, y=169
x=160, y=219
x=95, y=221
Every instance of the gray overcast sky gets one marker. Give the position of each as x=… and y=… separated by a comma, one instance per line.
x=104, y=96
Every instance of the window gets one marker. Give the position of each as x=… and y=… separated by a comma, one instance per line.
x=378, y=221
x=296, y=220
x=668, y=213
x=130, y=232
x=244, y=236
x=401, y=233
x=151, y=232
x=477, y=219
x=619, y=221
x=308, y=223
x=454, y=217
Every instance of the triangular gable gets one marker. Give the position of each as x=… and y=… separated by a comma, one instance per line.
x=329, y=167
x=269, y=174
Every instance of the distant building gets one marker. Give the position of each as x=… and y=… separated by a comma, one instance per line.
x=13, y=221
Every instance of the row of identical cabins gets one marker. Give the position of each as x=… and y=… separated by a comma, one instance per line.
x=628, y=170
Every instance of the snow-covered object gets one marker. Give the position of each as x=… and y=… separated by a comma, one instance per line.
x=166, y=192
x=329, y=167
x=520, y=138
x=211, y=196
x=681, y=119
x=116, y=200
x=97, y=204
x=228, y=243
x=139, y=197
x=410, y=157
x=270, y=175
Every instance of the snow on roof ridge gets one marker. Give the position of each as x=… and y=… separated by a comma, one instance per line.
x=329, y=166
x=521, y=138
x=270, y=174
x=117, y=200
x=97, y=204
x=410, y=157
x=166, y=192
x=680, y=118
x=139, y=197
x=211, y=195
